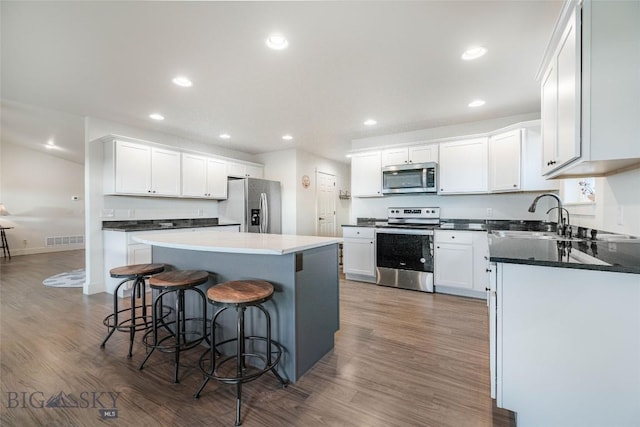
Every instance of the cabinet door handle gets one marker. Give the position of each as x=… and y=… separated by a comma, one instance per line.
x=488, y=271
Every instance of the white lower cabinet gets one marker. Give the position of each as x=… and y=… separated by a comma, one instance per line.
x=358, y=257
x=562, y=352
x=461, y=262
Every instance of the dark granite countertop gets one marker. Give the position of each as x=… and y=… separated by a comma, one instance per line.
x=470, y=224
x=597, y=251
x=162, y=224
x=619, y=256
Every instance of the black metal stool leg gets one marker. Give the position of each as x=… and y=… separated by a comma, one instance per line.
x=283, y=382
x=239, y=361
x=115, y=315
x=154, y=325
x=212, y=351
x=115, y=312
x=132, y=329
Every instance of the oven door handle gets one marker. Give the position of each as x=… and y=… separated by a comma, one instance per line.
x=418, y=232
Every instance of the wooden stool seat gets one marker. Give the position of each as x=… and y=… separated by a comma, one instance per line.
x=178, y=279
x=136, y=270
x=240, y=292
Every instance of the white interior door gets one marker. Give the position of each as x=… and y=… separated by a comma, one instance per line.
x=326, y=204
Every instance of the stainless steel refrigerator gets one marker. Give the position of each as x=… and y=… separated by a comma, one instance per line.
x=255, y=204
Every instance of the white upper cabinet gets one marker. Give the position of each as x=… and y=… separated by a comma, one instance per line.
x=463, y=166
x=139, y=168
x=204, y=177
x=560, y=94
x=132, y=168
x=412, y=154
x=590, y=88
x=165, y=172
x=505, y=153
x=366, y=174
x=423, y=153
x=244, y=170
x=395, y=156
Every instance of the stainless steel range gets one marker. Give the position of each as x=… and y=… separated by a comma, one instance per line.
x=404, y=248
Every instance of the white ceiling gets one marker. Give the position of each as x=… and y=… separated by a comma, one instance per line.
x=398, y=62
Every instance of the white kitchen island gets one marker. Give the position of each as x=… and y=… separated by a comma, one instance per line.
x=303, y=270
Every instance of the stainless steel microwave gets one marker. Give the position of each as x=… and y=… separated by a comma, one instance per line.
x=410, y=178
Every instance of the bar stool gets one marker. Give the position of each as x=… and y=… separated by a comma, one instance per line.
x=241, y=295
x=177, y=338
x=138, y=273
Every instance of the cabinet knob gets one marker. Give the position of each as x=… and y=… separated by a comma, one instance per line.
x=515, y=185
x=453, y=237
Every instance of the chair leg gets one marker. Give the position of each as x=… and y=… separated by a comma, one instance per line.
x=132, y=327
x=240, y=361
x=115, y=312
x=154, y=325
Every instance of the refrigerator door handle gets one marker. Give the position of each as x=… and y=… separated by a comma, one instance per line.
x=264, y=211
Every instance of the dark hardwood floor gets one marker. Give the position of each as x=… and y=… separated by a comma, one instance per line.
x=401, y=358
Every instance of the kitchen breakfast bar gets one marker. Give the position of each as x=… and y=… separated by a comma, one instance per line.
x=304, y=309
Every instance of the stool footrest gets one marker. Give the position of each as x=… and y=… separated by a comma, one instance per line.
x=276, y=353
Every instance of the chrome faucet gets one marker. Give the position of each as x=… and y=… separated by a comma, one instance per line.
x=566, y=226
x=532, y=208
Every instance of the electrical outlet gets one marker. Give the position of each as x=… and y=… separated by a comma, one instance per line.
x=24, y=242
x=489, y=212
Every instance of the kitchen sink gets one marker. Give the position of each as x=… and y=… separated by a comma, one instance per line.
x=539, y=235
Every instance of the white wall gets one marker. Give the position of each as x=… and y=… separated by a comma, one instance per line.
x=36, y=189
x=299, y=203
x=617, y=207
x=281, y=166
x=502, y=206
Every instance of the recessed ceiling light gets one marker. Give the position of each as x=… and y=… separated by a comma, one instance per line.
x=51, y=145
x=348, y=156
x=225, y=136
x=287, y=137
x=476, y=103
x=474, y=53
x=182, y=81
x=156, y=116
x=370, y=122
x=277, y=41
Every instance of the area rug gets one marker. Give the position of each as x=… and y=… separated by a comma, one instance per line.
x=70, y=279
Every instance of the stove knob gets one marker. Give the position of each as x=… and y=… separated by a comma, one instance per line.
x=422, y=260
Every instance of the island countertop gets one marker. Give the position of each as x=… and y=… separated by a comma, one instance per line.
x=244, y=243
